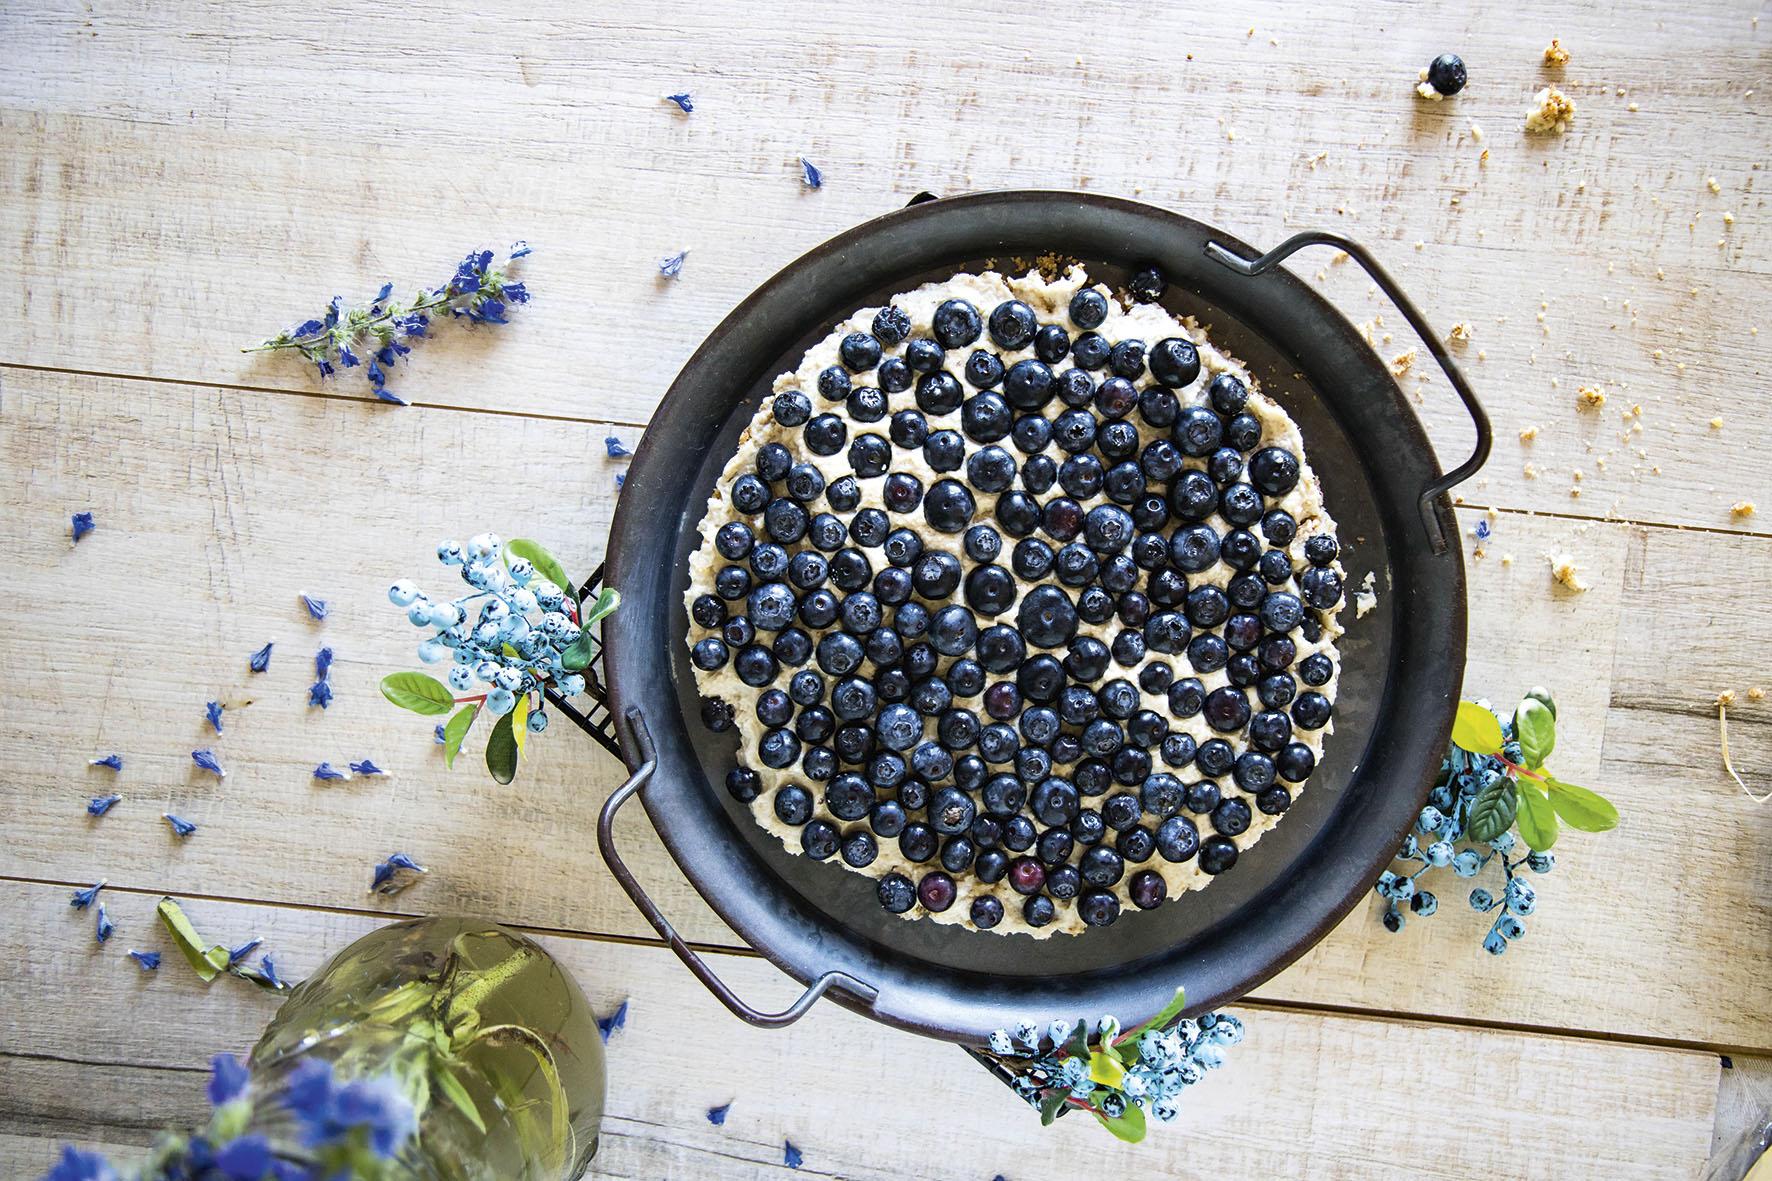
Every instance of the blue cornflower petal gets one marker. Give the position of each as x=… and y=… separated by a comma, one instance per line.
x=1483, y=530
x=717, y=1115
x=683, y=101
x=316, y=606
x=791, y=1156
x=328, y=771
x=383, y=394
x=608, y=1025
x=205, y=759
x=386, y=355
x=83, y=525
x=246, y=1159
x=440, y=736
x=267, y=971
x=672, y=266
x=213, y=711
x=114, y=762
x=76, y=1165
x=104, y=926
x=366, y=768
x=376, y=377
x=395, y=874
x=379, y=1106
x=616, y=448
x=235, y=955
x=325, y=368
x=307, y=328
x=332, y=312
x=228, y=1077
x=347, y=358
x=620, y=479
x=519, y=249
x=381, y=296
x=320, y=694
x=810, y=173
x=180, y=826
x=259, y=661
x=323, y=663
x=149, y=960
x=516, y=292
x=84, y=898
x=99, y=805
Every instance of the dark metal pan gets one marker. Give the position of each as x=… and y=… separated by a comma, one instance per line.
x=1403, y=662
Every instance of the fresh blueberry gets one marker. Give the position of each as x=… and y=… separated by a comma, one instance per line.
x=1446, y=74
x=1147, y=285
x=1281, y=611
x=1243, y=431
x=923, y=356
x=1029, y=384
x=833, y=384
x=1216, y=757
x=1194, y=549
x=956, y=323
x=1013, y=324
x=1321, y=549
x=1274, y=800
x=990, y=589
x=936, y=892
x=1321, y=587
x=1127, y=359
x=939, y=393
x=986, y=912
x=791, y=408
x=1254, y=771
x=1031, y=433
x=1178, y=839
x=1136, y=845
x=866, y=404
x=1038, y=911
x=1017, y=513
x=1089, y=308
x=1089, y=351
x=825, y=435
x=1051, y=343
x=1175, y=362
x=983, y=369
x=1274, y=470
x=1098, y=908
x=917, y=842
x=1198, y=432
x=1193, y=496
x=949, y=506
x=1311, y=710
x=1217, y=854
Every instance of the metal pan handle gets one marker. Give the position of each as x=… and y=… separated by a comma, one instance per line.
x=703, y=972
x=1255, y=266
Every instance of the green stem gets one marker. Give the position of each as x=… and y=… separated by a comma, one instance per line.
x=421, y=306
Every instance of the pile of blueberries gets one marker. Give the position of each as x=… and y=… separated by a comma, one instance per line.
x=955, y=707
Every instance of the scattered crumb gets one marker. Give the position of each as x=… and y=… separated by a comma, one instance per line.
x=1631, y=107
x=1340, y=256
x=1476, y=133
x=1756, y=694
x=1710, y=182
x=1552, y=111
x=1481, y=160
x=1555, y=54
x=1460, y=333
x=1507, y=559
x=1590, y=397
x=1529, y=433
x=1742, y=508
x=1366, y=597
x=1716, y=424
x=1565, y=572
x=1728, y=218
x=1530, y=472
x=1425, y=88
x=1403, y=361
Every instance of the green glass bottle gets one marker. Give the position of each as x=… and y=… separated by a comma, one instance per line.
x=490, y=1038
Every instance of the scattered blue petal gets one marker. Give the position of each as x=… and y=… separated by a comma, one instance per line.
x=316, y=607
x=330, y=1112
x=519, y=249
x=790, y=1156
x=323, y=663
x=672, y=266
x=83, y=524
x=366, y=768
x=180, y=826
x=205, y=759
x=381, y=296
x=76, y=1165
x=228, y=1077
x=99, y=805
x=320, y=694
x=213, y=711
x=267, y=971
x=236, y=954
x=245, y=1159
x=717, y=1115
x=620, y=479
x=259, y=661
x=441, y=737
x=1483, y=530
x=84, y=898
x=809, y=171
x=616, y=448
x=683, y=102
x=395, y=874
x=103, y=928
x=114, y=762
x=328, y=771
x=384, y=394
x=149, y=960
x=608, y=1025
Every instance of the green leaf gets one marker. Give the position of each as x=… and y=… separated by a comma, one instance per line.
x=453, y=1090
x=608, y=599
x=1079, y=1043
x=1128, y=1126
x=1492, y=812
x=1106, y=1070
x=544, y=564
x=1536, y=728
x=1168, y=1013
x=1538, y=823
x=456, y=731
x=1050, y=1104
x=576, y=656
x=1580, y=808
x=1475, y=729
x=1543, y=696
x=208, y=962
x=520, y=723
x=501, y=751
x=419, y=692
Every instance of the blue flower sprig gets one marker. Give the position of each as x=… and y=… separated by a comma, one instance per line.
x=373, y=338
x=1493, y=778
x=343, y=1128
x=520, y=629
x=1116, y=1076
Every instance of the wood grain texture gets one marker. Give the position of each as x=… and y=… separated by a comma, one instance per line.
x=217, y=507
x=1598, y=1109
x=176, y=187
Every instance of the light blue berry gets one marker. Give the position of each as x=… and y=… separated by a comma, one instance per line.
x=461, y=678
x=486, y=671
x=1209, y=1055
x=432, y=651
x=571, y=685
x=1410, y=848
x=522, y=601
x=508, y=678
x=500, y=702
x=1060, y=1030
x=1228, y=1031
x=1072, y=1072
x=1503, y=843
x=403, y=593
x=1481, y=899
x=1439, y=854
x=486, y=635
x=1424, y=903
x=1509, y=927
x=538, y=721
x=1429, y=820
x=446, y=615
x=1494, y=944
x=1541, y=862
x=1000, y=1043
x=547, y=595
x=522, y=570
x=1404, y=889
x=419, y=613
x=483, y=546
x=1164, y=1111
x=1467, y=863
x=450, y=553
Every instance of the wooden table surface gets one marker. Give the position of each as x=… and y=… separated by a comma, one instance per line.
x=178, y=179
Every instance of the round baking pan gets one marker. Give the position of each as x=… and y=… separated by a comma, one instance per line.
x=1402, y=661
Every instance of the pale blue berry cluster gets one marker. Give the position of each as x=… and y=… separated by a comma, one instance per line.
x=506, y=636
x=1117, y=1076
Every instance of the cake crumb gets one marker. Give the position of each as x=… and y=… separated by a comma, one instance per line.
x=1555, y=54
x=1631, y=107
x=1530, y=472
x=1481, y=160
x=1476, y=132
x=1716, y=424
x=1366, y=597
x=1529, y=433
x=1552, y=111
x=1742, y=508
x=1403, y=361
x=1459, y=333
x=1590, y=397
x=1710, y=182
x=1507, y=559
x=1565, y=572
x=1756, y=694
